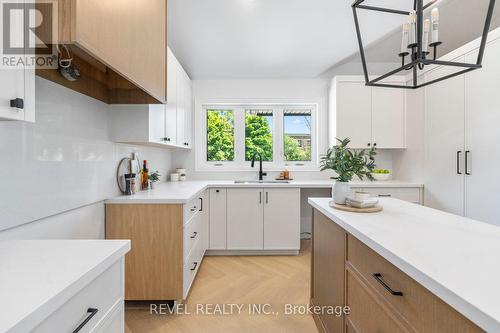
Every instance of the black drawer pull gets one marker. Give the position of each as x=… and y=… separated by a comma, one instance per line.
x=194, y=234
x=193, y=209
x=378, y=277
x=91, y=313
x=194, y=266
x=385, y=195
x=17, y=103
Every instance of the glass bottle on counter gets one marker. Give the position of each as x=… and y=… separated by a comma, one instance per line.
x=144, y=176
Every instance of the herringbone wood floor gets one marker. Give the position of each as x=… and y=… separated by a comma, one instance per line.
x=275, y=280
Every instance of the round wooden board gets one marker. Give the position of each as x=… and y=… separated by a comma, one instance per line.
x=346, y=208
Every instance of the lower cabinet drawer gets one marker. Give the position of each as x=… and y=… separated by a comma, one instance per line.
x=366, y=316
x=192, y=232
x=101, y=294
x=406, y=194
x=422, y=309
x=190, y=209
x=191, y=265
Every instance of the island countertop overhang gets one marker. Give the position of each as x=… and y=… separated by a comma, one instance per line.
x=451, y=256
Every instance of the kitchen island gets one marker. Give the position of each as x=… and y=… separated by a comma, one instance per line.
x=406, y=269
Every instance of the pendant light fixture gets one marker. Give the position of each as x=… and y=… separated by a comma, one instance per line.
x=419, y=44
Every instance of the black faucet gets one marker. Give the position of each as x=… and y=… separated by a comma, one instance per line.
x=260, y=165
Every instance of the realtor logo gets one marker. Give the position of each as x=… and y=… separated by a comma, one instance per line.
x=29, y=34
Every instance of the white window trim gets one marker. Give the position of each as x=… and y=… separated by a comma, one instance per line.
x=201, y=164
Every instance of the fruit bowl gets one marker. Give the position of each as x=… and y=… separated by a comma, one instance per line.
x=381, y=174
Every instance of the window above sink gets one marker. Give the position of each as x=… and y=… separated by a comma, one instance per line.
x=285, y=135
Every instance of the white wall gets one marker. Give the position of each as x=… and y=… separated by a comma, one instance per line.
x=61, y=163
x=314, y=91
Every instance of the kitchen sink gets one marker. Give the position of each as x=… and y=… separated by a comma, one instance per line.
x=261, y=181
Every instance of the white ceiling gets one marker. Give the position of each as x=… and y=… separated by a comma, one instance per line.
x=269, y=39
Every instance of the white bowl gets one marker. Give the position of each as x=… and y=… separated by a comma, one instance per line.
x=381, y=176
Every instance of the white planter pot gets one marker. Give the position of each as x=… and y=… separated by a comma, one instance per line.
x=340, y=192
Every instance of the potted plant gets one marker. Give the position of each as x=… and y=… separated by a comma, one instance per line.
x=347, y=163
x=153, y=178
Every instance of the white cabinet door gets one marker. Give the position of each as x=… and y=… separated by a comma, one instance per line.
x=171, y=108
x=181, y=105
x=388, y=117
x=12, y=79
x=188, y=113
x=157, y=123
x=482, y=102
x=444, y=134
x=245, y=219
x=217, y=234
x=282, y=219
x=354, y=113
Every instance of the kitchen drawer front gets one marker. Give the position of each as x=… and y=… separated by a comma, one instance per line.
x=102, y=293
x=366, y=315
x=422, y=309
x=192, y=232
x=410, y=194
x=114, y=322
x=191, y=266
x=191, y=208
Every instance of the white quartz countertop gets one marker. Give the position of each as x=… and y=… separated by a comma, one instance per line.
x=183, y=192
x=456, y=258
x=38, y=276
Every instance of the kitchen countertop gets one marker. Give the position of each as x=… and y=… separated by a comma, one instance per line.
x=454, y=257
x=39, y=276
x=183, y=192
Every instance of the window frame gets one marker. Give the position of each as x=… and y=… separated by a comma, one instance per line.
x=239, y=163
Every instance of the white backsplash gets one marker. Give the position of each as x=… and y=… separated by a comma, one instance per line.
x=63, y=161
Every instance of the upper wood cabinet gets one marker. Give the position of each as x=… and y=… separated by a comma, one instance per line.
x=369, y=116
x=121, y=44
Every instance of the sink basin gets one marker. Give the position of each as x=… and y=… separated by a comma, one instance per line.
x=261, y=181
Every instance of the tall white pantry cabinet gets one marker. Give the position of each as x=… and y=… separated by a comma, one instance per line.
x=463, y=137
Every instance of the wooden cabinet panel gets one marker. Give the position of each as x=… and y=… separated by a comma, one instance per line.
x=423, y=310
x=137, y=49
x=245, y=219
x=217, y=219
x=154, y=265
x=366, y=315
x=328, y=256
x=282, y=219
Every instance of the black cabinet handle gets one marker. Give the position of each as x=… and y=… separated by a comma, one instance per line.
x=201, y=204
x=194, y=266
x=194, y=235
x=193, y=209
x=91, y=313
x=467, y=153
x=369, y=144
x=459, y=154
x=217, y=191
x=378, y=277
x=375, y=144
x=267, y=197
x=17, y=103
x=385, y=195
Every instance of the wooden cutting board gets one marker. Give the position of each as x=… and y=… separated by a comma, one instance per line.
x=346, y=208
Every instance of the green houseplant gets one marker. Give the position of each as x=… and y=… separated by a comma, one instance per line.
x=153, y=178
x=347, y=163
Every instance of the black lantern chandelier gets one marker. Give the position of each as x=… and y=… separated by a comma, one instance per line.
x=419, y=44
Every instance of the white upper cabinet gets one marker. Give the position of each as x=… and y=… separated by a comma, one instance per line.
x=166, y=125
x=367, y=115
x=17, y=86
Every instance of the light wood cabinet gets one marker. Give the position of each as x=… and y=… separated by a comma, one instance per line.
x=369, y=116
x=119, y=46
x=168, y=245
x=380, y=297
x=327, y=270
